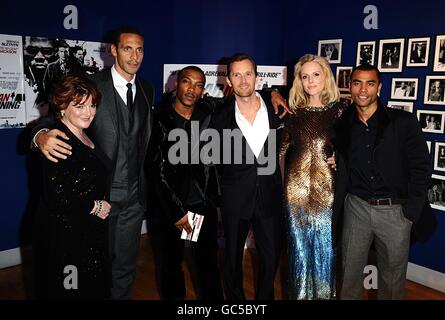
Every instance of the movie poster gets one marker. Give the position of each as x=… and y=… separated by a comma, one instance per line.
x=46, y=61
x=12, y=106
x=216, y=85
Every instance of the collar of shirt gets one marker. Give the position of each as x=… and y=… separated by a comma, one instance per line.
x=120, y=84
x=257, y=132
x=261, y=111
x=372, y=122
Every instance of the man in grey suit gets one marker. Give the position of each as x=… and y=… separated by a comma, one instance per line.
x=122, y=129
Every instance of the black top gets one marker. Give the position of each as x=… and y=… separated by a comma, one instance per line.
x=189, y=192
x=177, y=186
x=365, y=178
x=66, y=234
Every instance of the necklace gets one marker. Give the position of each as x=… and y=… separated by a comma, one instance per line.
x=319, y=108
x=315, y=108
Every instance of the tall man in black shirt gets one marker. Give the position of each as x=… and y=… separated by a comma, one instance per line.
x=383, y=175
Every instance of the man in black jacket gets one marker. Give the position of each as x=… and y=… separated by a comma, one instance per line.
x=250, y=181
x=182, y=189
x=384, y=171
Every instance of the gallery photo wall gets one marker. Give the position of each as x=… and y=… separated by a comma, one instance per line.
x=407, y=93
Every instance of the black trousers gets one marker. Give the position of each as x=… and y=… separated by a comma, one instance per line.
x=169, y=250
x=268, y=234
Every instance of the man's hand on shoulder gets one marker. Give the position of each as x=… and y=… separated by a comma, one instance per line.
x=277, y=101
x=53, y=147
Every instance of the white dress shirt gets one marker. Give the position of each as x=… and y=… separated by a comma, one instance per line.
x=120, y=84
x=257, y=132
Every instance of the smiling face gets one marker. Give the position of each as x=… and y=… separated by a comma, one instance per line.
x=79, y=114
x=128, y=54
x=365, y=88
x=242, y=78
x=312, y=78
x=189, y=88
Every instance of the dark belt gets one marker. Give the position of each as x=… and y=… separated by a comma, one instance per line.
x=385, y=201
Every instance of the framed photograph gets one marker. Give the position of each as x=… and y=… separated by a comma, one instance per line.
x=439, y=55
x=401, y=105
x=404, y=88
x=428, y=143
x=436, y=191
x=391, y=55
x=365, y=53
x=343, y=78
x=439, y=156
x=418, y=52
x=330, y=49
x=431, y=121
x=434, y=90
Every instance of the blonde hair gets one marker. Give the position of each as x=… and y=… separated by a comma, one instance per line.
x=299, y=98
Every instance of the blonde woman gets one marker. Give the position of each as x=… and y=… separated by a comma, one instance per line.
x=308, y=179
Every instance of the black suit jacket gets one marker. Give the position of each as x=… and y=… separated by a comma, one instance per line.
x=240, y=182
x=402, y=158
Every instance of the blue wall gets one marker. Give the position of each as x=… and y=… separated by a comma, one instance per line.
x=199, y=31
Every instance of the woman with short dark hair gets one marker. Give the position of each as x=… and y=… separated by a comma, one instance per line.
x=71, y=227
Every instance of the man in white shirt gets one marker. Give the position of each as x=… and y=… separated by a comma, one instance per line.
x=400, y=92
x=250, y=197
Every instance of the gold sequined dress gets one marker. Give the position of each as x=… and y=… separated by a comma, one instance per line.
x=308, y=200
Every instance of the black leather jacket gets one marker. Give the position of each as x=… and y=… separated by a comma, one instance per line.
x=171, y=183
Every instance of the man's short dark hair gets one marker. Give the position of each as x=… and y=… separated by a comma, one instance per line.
x=77, y=48
x=60, y=43
x=241, y=57
x=366, y=67
x=118, y=32
x=194, y=68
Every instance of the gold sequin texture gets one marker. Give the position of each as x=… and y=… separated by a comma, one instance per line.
x=308, y=198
